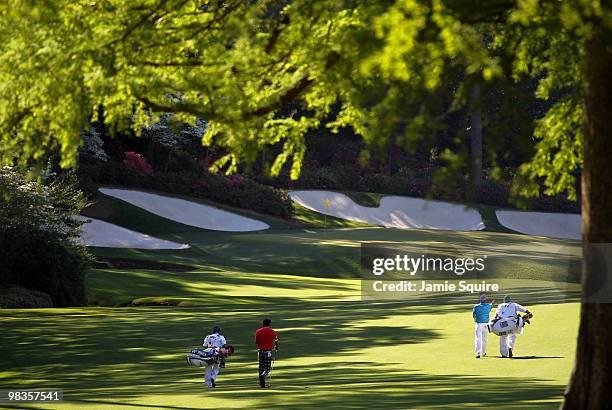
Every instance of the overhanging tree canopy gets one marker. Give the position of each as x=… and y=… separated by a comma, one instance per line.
x=237, y=63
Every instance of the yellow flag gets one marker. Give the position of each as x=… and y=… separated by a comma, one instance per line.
x=327, y=203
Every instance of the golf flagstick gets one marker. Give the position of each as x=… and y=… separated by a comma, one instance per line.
x=328, y=206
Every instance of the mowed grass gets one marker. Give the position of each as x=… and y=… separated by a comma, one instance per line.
x=334, y=355
x=337, y=351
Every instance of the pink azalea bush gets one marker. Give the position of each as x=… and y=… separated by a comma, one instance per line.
x=136, y=161
x=235, y=179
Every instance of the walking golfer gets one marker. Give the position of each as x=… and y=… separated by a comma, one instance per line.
x=216, y=340
x=480, y=313
x=266, y=339
x=508, y=309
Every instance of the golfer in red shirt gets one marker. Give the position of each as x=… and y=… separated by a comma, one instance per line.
x=266, y=340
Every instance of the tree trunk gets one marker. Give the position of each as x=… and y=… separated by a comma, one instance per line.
x=476, y=139
x=590, y=386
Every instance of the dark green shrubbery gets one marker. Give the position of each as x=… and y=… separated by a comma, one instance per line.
x=267, y=195
x=395, y=185
x=244, y=193
x=493, y=193
x=343, y=178
x=18, y=297
x=233, y=190
x=347, y=178
x=39, y=246
x=38, y=260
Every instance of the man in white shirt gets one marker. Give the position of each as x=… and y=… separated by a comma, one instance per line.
x=216, y=340
x=508, y=309
x=209, y=358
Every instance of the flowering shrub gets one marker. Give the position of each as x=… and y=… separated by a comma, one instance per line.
x=136, y=161
x=233, y=190
x=171, y=133
x=29, y=205
x=93, y=144
x=235, y=180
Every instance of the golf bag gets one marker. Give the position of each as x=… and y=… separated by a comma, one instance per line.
x=509, y=325
x=203, y=357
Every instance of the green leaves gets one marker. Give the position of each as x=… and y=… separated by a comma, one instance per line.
x=241, y=65
x=32, y=206
x=558, y=151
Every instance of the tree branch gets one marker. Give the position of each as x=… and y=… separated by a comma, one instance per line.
x=284, y=99
x=291, y=93
x=486, y=12
x=275, y=34
x=17, y=119
x=179, y=108
x=218, y=17
x=187, y=63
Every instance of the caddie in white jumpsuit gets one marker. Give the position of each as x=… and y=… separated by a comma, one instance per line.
x=480, y=313
x=216, y=340
x=506, y=310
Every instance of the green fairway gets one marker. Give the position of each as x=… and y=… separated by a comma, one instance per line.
x=337, y=351
x=334, y=354
x=270, y=204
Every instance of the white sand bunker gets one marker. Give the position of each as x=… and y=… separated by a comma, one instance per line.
x=187, y=212
x=107, y=235
x=393, y=212
x=566, y=226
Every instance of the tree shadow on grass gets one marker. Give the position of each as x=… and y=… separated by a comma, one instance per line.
x=117, y=287
x=336, y=254
x=367, y=385
x=102, y=355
